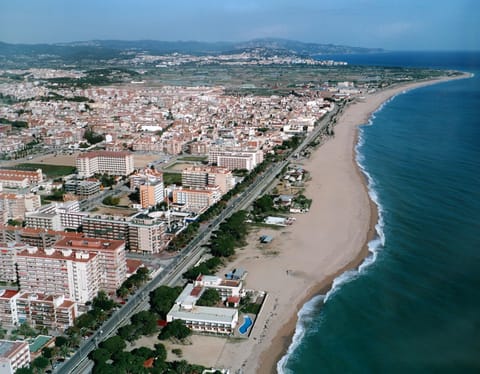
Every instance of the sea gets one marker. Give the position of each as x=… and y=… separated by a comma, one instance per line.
x=413, y=306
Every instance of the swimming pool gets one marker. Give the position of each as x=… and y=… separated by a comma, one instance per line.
x=39, y=342
x=247, y=322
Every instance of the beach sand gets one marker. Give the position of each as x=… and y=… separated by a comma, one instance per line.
x=331, y=238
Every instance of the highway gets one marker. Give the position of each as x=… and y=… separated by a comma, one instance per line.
x=79, y=362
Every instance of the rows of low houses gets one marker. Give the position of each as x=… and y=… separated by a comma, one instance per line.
x=165, y=119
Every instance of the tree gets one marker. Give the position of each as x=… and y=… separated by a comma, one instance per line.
x=210, y=297
x=122, y=292
x=61, y=341
x=160, y=351
x=86, y=320
x=48, y=353
x=92, y=137
x=143, y=352
x=128, y=332
x=40, y=363
x=26, y=330
x=113, y=344
x=111, y=200
x=103, y=368
x=14, y=222
x=176, y=329
x=145, y=322
x=24, y=370
x=100, y=355
x=103, y=302
x=163, y=298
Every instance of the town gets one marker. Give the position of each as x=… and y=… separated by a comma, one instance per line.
x=103, y=186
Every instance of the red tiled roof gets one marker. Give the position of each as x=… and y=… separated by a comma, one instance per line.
x=149, y=363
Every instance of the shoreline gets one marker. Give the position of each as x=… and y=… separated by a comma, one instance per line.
x=304, y=259
x=283, y=339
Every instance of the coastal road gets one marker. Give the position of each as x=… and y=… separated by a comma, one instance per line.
x=79, y=362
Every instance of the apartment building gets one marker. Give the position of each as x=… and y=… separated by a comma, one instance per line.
x=8, y=307
x=107, y=227
x=8, y=258
x=145, y=176
x=13, y=356
x=151, y=194
x=147, y=235
x=108, y=162
x=43, y=220
x=202, y=176
x=33, y=177
x=82, y=189
x=111, y=258
x=196, y=200
x=16, y=205
x=46, y=311
x=73, y=274
x=40, y=238
x=233, y=159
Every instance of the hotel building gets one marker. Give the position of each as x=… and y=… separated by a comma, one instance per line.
x=201, y=318
x=196, y=200
x=202, y=176
x=73, y=274
x=108, y=162
x=9, y=175
x=111, y=258
x=235, y=159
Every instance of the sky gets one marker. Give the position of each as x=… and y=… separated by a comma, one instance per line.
x=388, y=24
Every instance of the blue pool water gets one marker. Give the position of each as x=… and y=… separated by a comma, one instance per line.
x=247, y=322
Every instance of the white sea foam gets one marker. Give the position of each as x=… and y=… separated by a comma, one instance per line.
x=374, y=246
x=304, y=319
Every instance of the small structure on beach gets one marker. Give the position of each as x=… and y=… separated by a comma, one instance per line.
x=265, y=239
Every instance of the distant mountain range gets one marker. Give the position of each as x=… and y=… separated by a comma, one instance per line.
x=97, y=50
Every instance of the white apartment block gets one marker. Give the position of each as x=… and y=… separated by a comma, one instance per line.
x=109, y=162
x=235, y=159
x=16, y=205
x=46, y=311
x=111, y=258
x=203, y=176
x=8, y=258
x=41, y=220
x=8, y=308
x=73, y=274
x=147, y=235
x=13, y=356
x=196, y=200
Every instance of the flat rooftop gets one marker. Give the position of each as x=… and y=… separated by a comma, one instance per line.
x=204, y=314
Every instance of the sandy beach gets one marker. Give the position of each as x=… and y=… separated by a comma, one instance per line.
x=330, y=239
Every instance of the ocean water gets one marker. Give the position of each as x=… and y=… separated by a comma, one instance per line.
x=414, y=304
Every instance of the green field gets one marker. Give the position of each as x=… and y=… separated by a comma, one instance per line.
x=172, y=178
x=192, y=158
x=52, y=171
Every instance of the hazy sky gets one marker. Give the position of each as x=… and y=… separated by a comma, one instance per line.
x=389, y=24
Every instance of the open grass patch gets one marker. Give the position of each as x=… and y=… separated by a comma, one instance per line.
x=52, y=171
x=172, y=178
